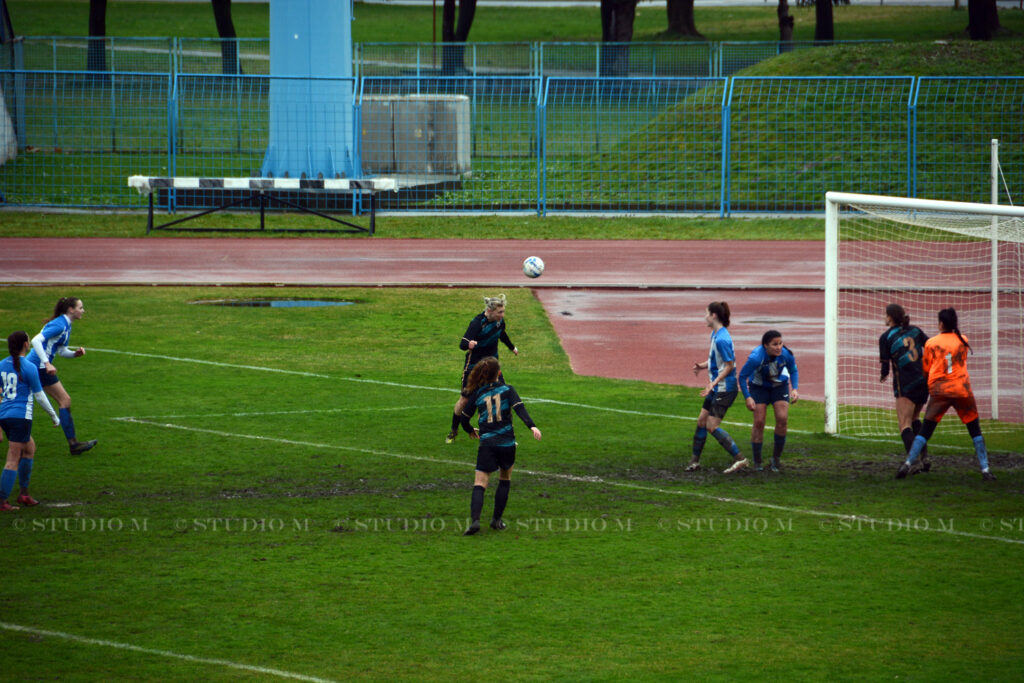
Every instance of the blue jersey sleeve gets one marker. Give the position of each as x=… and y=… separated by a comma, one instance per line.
x=54, y=328
x=749, y=368
x=31, y=375
x=723, y=344
x=794, y=376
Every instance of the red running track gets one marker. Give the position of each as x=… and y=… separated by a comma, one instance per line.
x=625, y=309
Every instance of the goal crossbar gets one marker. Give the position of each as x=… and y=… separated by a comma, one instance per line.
x=1003, y=225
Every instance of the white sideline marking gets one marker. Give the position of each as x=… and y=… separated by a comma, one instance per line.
x=621, y=411
x=162, y=653
x=263, y=368
x=281, y=412
x=565, y=477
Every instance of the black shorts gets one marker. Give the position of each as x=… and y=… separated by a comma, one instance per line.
x=18, y=430
x=717, y=402
x=46, y=379
x=490, y=458
x=919, y=394
x=769, y=395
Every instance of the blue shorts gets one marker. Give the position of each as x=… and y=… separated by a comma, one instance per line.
x=769, y=395
x=18, y=430
x=46, y=379
x=490, y=458
x=718, y=402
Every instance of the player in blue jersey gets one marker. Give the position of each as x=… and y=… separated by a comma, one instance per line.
x=19, y=384
x=901, y=348
x=481, y=341
x=494, y=401
x=53, y=341
x=769, y=377
x=721, y=389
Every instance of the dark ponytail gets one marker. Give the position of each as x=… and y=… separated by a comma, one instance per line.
x=721, y=311
x=484, y=372
x=63, y=304
x=898, y=315
x=15, y=345
x=948, y=321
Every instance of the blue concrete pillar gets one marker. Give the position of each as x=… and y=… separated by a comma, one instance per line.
x=312, y=131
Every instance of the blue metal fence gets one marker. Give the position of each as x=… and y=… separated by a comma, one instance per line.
x=793, y=139
x=954, y=120
x=489, y=141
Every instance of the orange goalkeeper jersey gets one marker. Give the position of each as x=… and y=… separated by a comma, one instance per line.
x=945, y=361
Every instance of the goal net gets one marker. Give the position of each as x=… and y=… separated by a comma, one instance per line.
x=924, y=255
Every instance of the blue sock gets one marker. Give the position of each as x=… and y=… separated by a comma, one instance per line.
x=699, y=437
x=7, y=484
x=915, y=448
x=755, y=448
x=726, y=441
x=780, y=443
x=24, y=472
x=981, y=451
x=67, y=424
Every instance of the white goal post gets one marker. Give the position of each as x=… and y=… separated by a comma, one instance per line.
x=925, y=255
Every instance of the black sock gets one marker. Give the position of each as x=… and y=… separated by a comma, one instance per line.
x=476, y=503
x=778, y=446
x=908, y=438
x=755, y=448
x=456, y=419
x=501, y=497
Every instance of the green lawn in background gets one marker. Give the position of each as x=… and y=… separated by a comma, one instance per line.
x=271, y=489
x=381, y=23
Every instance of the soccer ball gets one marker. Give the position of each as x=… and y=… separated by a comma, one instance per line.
x=533, y=266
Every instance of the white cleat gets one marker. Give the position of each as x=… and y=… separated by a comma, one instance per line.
x=736, y=466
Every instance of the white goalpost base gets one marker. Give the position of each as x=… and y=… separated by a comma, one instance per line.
x=925, y=255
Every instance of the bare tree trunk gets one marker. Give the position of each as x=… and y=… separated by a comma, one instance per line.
x=977, y=20
x=617, y=17
x=226, y=30
x=982, y=19
x=786, y=22
x=823, y=27
x=680, y=18
x=96, y=54
x=453, y=56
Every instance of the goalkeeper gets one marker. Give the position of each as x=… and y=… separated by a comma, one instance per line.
x=945, y=361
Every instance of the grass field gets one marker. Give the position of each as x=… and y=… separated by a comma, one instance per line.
x=271, y=498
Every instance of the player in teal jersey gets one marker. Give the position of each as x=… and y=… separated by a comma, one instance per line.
x=901, y=348
x=495, y=401
x=481, y=341
x=19, y=385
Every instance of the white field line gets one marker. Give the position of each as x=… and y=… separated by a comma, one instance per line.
x=308, y=411
x=162, y=653
x=569, y=404
x=563, y=477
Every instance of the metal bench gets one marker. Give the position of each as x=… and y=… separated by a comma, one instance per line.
x=262, y=191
